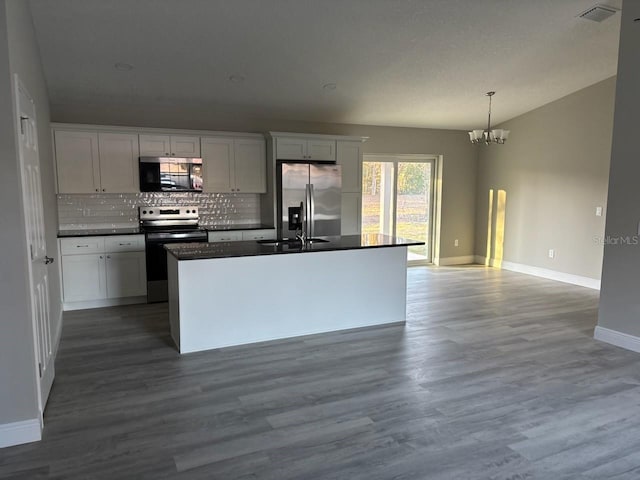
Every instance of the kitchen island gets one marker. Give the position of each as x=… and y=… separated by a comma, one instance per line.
x=234, y=293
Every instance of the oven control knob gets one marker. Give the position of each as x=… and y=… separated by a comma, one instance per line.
x=144, y=211
x=188, y=211
x=150, y=211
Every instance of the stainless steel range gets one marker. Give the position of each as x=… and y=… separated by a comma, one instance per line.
x=162, y=225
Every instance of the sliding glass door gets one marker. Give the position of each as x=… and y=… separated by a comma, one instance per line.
x=397, y=199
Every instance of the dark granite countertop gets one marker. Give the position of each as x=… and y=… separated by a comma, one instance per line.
x=242, y=226
x=198, y=251
x=93, y=232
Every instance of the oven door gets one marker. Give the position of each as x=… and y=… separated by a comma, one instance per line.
x=156, y=257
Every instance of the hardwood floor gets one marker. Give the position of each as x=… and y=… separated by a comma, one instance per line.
x=494, y=376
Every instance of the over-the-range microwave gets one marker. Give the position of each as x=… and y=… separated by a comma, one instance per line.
x=170, y=174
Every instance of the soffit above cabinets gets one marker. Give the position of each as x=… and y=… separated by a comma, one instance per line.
x=376, y=62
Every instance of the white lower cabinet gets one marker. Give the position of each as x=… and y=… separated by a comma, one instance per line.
x=100, y=271
x=126, y=274
x=238, y=235
x=226, y=236
x=83, y=277
x=265, y=234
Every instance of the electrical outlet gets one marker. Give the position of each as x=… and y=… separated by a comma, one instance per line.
x=552, y=253
x=598, y=211
x=455, y=242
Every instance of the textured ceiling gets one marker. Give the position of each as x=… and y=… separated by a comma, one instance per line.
x=421, y=63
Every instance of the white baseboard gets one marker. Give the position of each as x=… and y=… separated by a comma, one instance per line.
x=109, y=302
x=17, y=433
x=587, y=282
x=616, y=338
x=464, y=260
x=579, y=280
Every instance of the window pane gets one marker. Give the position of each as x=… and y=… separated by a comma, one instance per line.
x=414, y=206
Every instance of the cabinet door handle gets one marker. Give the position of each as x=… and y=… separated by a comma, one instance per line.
x=122, y=244
x=97, y=189
x=167, y=153
x=48, y=260
x=82, y=246
x=103, y=189
x=108, y=256
x=101, y=256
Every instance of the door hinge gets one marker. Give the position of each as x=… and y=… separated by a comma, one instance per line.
x=40, y=369
x=22, y=119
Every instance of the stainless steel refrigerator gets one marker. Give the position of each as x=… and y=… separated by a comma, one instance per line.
x=314, y=190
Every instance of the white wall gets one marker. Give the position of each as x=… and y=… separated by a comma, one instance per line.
x=554, y=169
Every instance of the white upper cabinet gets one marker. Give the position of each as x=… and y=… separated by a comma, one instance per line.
x=185, y=146
x=119, y=172
x=250, y=165
x=77, y=161
x=234, y=164
x=321, y=149
x=155, y=145
x=291, y=149
x=89, y=162
x=169, y=145
x=217, y=157
x=349, y=156
x=305, y=149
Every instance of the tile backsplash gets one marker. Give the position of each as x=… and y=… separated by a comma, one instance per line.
x=121, y=210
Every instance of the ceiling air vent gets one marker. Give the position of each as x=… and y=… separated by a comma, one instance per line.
x=598, y=13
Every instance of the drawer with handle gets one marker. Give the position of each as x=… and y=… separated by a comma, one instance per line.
x=124, y=243
x=81, y=245
x=264, y=234
x=233, y=236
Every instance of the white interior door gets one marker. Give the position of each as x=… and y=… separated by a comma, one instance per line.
x=34, y=220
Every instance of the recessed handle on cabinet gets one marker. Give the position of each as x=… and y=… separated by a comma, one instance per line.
x=122, y=244
x=82, y=246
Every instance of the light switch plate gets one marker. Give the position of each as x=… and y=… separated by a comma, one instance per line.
x=552, y=253
x=598, y=211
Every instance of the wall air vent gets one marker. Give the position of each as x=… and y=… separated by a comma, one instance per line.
x=598, y=13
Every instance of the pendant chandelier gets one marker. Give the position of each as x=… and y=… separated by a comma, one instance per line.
x=488, y=136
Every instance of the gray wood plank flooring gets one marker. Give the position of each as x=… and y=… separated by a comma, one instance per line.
x=495, y=376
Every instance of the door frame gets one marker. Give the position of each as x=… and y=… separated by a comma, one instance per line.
x=418, y=158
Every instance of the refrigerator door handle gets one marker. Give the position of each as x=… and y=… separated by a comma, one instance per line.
x=307, y=203
x=312, y=209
